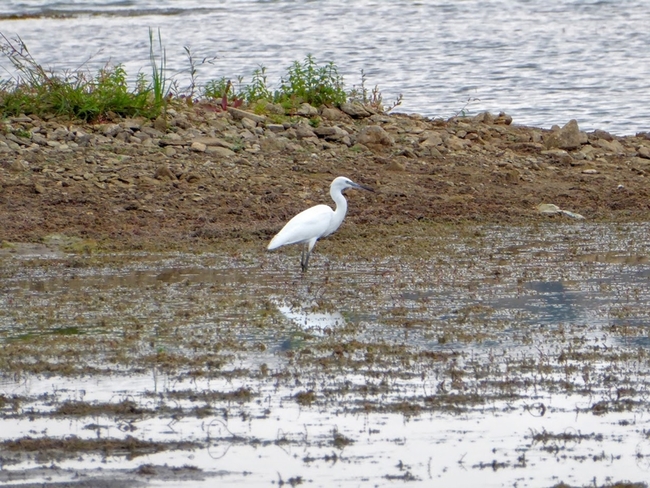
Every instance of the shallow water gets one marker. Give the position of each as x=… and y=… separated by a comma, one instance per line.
x=501, y=357
x=543, y=63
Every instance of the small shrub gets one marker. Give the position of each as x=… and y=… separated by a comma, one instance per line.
x=307, y=82
x=372, y=98
x=257, y=90
x=76, y=94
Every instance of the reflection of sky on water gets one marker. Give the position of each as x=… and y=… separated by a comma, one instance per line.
x=585, y=303
x=607, y=291
x=309, y=320
x=549, y=303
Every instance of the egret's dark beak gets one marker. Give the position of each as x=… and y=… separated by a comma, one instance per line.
x=362, y=187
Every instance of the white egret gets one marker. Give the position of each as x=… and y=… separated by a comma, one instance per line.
x=316, y=222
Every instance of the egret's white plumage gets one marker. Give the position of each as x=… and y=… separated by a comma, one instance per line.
x=316, y=222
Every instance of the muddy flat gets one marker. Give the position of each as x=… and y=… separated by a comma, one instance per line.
x=449, y=333
x=471, y=355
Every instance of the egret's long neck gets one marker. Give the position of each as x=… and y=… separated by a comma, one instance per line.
x=341, y=208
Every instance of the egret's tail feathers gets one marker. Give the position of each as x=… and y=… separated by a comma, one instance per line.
x=274, y=244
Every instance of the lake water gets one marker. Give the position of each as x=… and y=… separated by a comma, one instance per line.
x=544, y=63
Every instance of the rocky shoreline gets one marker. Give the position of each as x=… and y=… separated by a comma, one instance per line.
x=204, y=173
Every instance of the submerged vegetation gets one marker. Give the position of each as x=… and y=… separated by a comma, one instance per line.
x=92, y=97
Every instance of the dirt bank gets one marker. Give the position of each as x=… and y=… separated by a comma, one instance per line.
x=202, y=174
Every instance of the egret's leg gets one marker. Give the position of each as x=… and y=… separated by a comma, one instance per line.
x=304, y=257
x=306, y=252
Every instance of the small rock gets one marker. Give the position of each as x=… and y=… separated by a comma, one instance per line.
x=275, y=127
x=568, y=137
x=503, y=119
x=601, y=134
x=560, y=155
x=613, y=146
x=247, y=135
x=304, y=132
x=39, y=139
x=59, y=134
x=239, y=114
x=274, y=108
x=483, y=118
x=331, y=133
x=431, y=139
x=160, y=124
x=333, y=114
x=145, y=180
x=355, y=110
x=395, y=166
x=213, y=141
x=131, y=124
x=454, y=143
x=170, y=151
x=551, y=209
x=590, y=171
x=17, y=166
x=222, y=152
x=153, y=132
x=21, y=119
x=548, y=208
x=38, y=188
x=198, y=147
x=250, y=124
x=374, y=134
x=111, y=130
x=644, y=152
x=163, y=172
x=307, y=110
x=181, y=122
x=172, y=139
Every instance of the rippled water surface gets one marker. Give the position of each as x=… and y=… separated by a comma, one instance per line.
x=542, y=62
x=488, y=357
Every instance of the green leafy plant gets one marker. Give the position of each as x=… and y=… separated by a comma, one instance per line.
x=257, y=89
x=307, y=82
x=221, y=90
x=216, y=89
x=74, y=94
x=80, y=94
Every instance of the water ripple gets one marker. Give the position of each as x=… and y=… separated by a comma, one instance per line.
x=543, y=63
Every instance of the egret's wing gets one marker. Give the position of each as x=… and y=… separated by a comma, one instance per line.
x=308, y=224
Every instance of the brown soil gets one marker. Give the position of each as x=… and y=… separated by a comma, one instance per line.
x=124, y=195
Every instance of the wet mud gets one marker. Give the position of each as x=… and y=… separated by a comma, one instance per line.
x=465, y=355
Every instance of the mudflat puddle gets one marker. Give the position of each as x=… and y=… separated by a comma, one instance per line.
x=479, y=357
